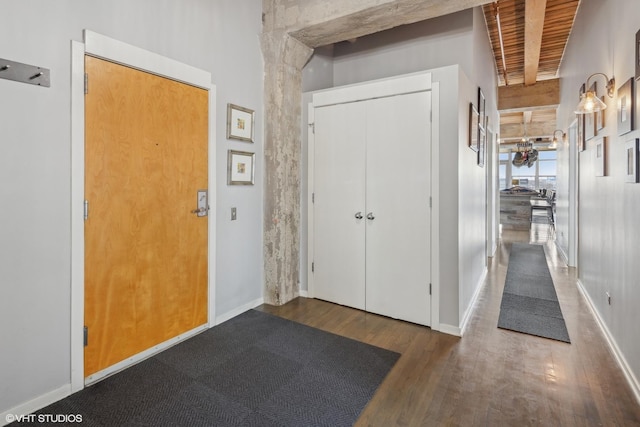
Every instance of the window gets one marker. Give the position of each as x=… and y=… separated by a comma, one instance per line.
x=547, y=169
x=541, y=175
x=504, y=169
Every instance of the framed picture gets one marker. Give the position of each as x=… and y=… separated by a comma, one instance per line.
x=600, y=154
x=599, y=117
x=636, y=105
x=482, y=112
x=473, y=127
x=638, y=55
x=580, y=134
x=240, y=123
x=625, y=107
x=631, y=151
x=240, y=167
x=589, y=119
x=482, y=145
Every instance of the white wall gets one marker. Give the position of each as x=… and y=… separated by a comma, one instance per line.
x=485, y=75
x=472, y=199
x=603, y=40
x=566, y=189
x=317, y=74
x=450, y=157
x=477, y=207
x=435, y=43
x=452, y=46
x=35, y=175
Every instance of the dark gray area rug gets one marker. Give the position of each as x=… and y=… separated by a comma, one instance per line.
x=253, y=370
x=529, y=300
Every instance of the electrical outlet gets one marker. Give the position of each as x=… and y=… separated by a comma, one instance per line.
x=233, y=214
x=608, y=298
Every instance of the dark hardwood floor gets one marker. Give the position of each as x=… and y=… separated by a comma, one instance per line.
x=490, y=377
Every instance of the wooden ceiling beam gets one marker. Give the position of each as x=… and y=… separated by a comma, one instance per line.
x=534, y=13
x=541, y=96
x=534, y=130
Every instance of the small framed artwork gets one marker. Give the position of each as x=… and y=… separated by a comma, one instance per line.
x=599, y=117
x=240, y=123
x=589, y=119
x=636, y=105
x=482, y=146
x=240, y=167
x=638, y=55
x=580, y=134
x=631, y=152
x=481, y=108
x=572, y=133
x=625, y=108
x=600, y=156
x=473, y=127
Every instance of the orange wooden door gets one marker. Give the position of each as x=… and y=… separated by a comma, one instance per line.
x=146, y=265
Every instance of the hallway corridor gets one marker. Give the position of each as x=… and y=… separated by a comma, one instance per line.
x=490, y=377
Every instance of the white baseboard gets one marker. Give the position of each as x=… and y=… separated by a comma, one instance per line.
x=450, y=330
x=35, y=404
x=472, y=305
x=304, y=294
x=237, y=311
x=458, y=331
x=622, y=362
x=562, y=253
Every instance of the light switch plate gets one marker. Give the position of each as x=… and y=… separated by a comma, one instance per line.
x=233, y=214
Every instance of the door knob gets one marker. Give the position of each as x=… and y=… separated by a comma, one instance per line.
x=199, y=211
x=370, y=216
x=358, y=215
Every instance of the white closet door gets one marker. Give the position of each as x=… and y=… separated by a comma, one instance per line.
x=339, y=237
x=398, y=188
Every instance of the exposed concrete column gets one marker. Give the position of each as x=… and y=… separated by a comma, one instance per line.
x=284, y=58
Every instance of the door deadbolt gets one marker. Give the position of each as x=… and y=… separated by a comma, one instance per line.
x=203, y=204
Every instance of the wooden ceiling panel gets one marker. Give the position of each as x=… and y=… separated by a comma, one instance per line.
x=559, y=16
x=558, y=21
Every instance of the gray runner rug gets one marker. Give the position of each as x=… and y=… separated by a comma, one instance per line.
x=529, y=300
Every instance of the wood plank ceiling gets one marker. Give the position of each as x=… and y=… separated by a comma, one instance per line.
x=528, y=38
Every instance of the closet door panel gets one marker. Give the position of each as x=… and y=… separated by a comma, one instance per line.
x=398, y=188
x=339, y=189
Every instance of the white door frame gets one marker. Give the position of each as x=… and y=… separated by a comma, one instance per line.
x=380, y=88
x=574, y=200
x=113, y=50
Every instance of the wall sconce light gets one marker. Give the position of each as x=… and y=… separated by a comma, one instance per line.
x=554, y=142
x=589, y=101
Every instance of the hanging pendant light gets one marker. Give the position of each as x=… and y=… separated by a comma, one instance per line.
x=526, y=154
